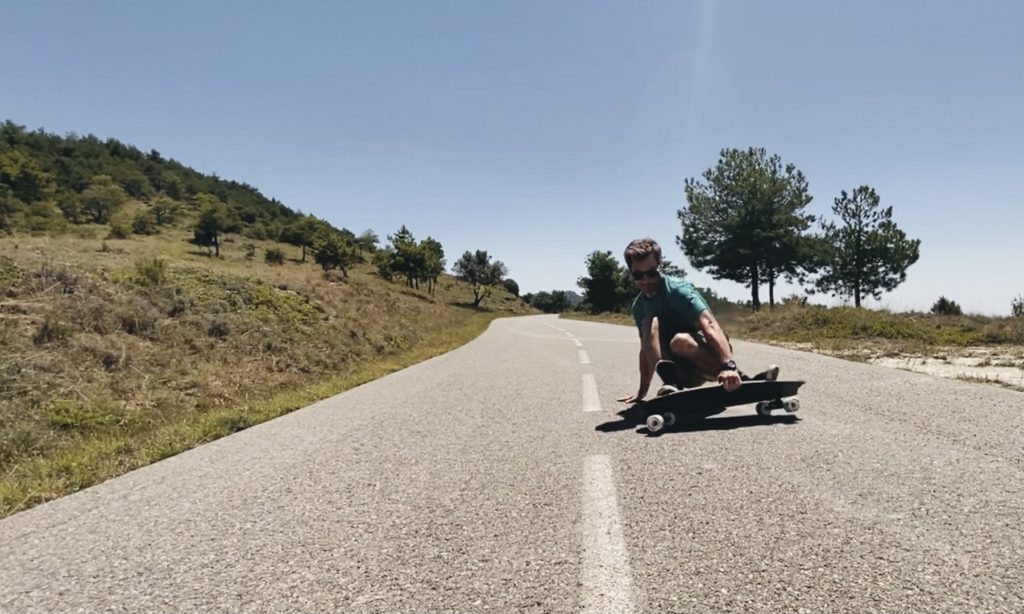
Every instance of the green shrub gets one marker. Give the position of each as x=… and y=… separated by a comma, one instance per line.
x=67, y=415
x=19, y=441
x=946, y=307
x=10, y=276
x=151, y=272
x=274, y=256
x=144, y=223
x=232, y=423
x=120, y=228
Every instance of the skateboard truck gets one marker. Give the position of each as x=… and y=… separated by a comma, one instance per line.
x=790, y=404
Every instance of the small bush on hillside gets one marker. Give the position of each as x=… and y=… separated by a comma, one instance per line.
x=20, y=440
x=51, y=277
x=120, y=228
x=49, y=331
x=144, y=223
x=946, y=307
x=180, y=304
x=68, y=415
x=151, y=272
x=1017, y=306
x=43, y=217
x=137, y=317
x=274, y=256
x=106, y=350
x=218, y=328
x=10, y=276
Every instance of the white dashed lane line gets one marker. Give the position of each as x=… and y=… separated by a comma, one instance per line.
x=605, y=576
x=591, y=402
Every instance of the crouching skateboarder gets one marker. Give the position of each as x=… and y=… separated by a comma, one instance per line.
x=676, y=325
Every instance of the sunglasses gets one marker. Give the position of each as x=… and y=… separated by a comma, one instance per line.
x=649, y=273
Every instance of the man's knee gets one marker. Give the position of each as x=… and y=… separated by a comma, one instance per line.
x=684, y=345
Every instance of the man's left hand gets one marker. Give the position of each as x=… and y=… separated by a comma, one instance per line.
x=730, y=380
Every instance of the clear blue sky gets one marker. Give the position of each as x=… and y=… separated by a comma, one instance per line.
x=541, y=131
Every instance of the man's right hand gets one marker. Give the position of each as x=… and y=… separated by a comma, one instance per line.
x=633, y=398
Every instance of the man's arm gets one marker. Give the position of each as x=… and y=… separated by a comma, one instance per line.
x=715, y=337
x=649, y=354
x=719, y=347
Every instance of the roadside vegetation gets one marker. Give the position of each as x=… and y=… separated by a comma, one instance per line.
x=146, y=308
x=118, y=353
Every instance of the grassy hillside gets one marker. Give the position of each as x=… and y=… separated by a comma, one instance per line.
x=117, y=353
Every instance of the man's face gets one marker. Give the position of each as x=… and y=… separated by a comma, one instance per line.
x=645, y=274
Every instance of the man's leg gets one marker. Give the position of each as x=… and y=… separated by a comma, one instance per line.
x=676, y=371
x=660, y=359
x=697, y=352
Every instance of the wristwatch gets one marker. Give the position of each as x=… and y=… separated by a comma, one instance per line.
x=729, y=365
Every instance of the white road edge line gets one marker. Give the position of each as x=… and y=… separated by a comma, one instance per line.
x=577, y=343
x=605, y=576
x=584, y=359
x=591, y=401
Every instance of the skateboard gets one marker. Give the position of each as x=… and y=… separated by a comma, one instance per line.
x=766, y=396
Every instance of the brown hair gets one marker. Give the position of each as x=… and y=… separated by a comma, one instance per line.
x=638, y=249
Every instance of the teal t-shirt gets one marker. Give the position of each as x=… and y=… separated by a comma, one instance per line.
x=677, y=306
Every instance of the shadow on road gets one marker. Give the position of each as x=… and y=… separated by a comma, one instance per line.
x=636, y=416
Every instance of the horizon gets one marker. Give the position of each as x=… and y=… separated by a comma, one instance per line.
x=543, y=133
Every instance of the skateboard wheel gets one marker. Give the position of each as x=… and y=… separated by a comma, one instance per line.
x=670, y=418
x=791, y=405
x=655, y=423
x=665, y=390
x=764, y=408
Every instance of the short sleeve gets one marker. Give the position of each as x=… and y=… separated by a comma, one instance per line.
x=687, y=301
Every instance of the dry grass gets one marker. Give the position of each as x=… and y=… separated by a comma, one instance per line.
x=117, y=353
x=841, y=328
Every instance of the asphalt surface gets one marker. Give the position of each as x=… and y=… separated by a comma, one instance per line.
x=500, y=478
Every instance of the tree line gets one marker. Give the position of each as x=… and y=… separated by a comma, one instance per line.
x=745, y=221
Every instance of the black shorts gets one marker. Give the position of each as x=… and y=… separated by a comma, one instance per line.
x=690, y=376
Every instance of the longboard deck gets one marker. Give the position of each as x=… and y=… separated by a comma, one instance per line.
x=714, y=397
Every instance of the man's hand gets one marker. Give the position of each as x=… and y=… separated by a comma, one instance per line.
x=730, y=380
x=633, y=398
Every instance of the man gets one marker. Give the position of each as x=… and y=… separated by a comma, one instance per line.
x=675, y=324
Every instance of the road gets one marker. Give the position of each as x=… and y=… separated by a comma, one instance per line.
x=499, y=478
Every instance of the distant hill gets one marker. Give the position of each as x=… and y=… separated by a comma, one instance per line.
x=48, y=182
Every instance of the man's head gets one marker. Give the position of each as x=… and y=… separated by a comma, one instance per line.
x=643, y=257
